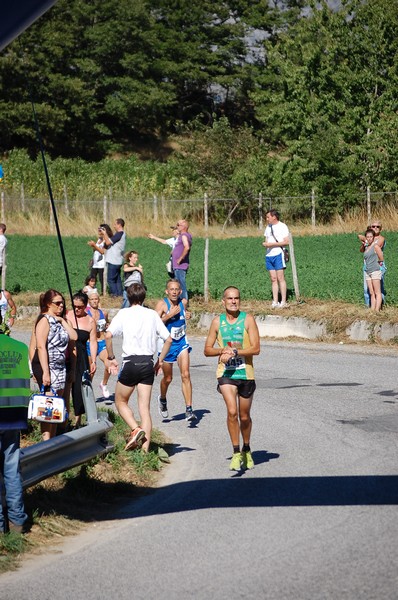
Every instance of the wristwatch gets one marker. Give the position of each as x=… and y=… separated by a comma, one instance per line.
x=111, y=357
x=235, y=350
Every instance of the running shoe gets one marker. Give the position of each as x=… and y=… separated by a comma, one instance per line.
x=189, y=414
x=275, y=305
x=236, y=462
x=104, y=390
x=162, y=406
x=247, y=459
x=135, y=438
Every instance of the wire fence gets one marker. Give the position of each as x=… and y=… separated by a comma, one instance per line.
x=213, y=210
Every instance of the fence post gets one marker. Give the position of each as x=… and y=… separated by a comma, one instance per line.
x=368, y=208
x=206, y=256
x=260, y=211
x=163, y=201
x=105, y=209
x=22, y=197
x=66, y=201
x=294, y=268
x=155, y=208
x=51, y=219
x=313, y=207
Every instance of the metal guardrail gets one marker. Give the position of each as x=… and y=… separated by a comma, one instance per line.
x=70, y=449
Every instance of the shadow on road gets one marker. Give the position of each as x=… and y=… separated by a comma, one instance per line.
x=362, y=490
x=240, y=492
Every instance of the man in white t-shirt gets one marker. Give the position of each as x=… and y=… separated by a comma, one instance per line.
x=3, y=244
x=276, y=238
x=140, y=327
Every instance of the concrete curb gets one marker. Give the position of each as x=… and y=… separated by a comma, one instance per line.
x=276, y=326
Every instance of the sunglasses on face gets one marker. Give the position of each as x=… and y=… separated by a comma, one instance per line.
x=376, y=226
x=58, y=303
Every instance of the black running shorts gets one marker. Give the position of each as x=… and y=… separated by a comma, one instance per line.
x=246, y=387
x=137, y=369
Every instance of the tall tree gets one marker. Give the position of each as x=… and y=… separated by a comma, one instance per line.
x=327, y=98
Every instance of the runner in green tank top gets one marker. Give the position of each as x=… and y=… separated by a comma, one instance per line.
x=238, y=339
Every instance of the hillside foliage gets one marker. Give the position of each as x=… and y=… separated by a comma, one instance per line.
x=230, y=97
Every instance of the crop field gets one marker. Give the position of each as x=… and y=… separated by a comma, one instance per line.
x=329, y=267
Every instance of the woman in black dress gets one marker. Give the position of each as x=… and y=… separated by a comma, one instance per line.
x=86, y=330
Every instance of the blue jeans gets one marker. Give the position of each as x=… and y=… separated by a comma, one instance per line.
x=11, y=474
x=125, y=303
x=114, y=280
x=180, y=275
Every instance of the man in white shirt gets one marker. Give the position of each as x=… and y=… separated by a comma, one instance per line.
x=140, y=327
x=276, y=238
x=3, y=244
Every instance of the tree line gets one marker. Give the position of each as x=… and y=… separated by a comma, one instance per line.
x=279, y=96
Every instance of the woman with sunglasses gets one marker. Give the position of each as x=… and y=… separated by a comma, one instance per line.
x=381, y=242
x=86, y=331
x=52, y=336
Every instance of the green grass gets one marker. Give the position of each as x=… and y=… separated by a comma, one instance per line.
x=93, y=487
x=329, y=267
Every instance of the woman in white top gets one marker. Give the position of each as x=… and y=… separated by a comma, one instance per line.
x=98, y=262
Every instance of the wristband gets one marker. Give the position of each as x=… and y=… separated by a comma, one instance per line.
x=111, y=357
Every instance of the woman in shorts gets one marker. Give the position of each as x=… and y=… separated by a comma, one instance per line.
x=373, y=257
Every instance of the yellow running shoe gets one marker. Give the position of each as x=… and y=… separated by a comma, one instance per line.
x=247, y=459
x=236, y=462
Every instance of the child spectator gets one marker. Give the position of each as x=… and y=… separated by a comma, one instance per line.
x=90, y=284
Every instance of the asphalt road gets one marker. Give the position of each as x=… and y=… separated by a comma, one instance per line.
x=315, y=519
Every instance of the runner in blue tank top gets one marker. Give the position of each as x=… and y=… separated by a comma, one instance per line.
x=101, y=320
x=173, y=313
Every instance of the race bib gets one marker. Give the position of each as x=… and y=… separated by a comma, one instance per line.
x=236, y=363
x=177, y=332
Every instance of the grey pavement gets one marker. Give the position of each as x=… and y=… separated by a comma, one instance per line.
x=315, y=519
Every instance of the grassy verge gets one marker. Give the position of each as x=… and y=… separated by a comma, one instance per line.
x=63, y=505
x=329, y=267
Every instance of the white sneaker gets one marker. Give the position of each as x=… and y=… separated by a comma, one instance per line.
x=104, y=390
x=275, y=305
x=282, y=305
x=162, y=407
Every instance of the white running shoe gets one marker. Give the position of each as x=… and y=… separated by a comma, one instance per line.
x=162, y=406
x=104, y=390
x=275, y=305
